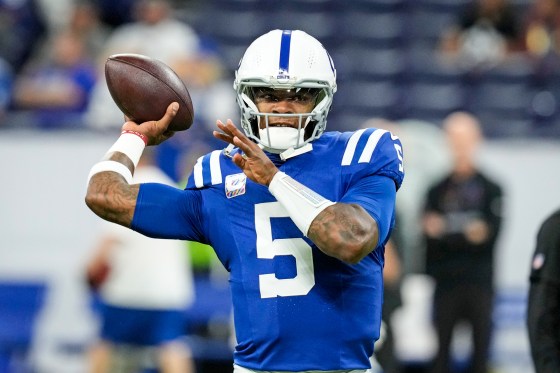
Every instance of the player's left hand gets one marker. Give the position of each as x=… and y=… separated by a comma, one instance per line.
x=254, y=162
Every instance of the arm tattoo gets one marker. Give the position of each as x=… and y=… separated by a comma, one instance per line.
x=121, y=158
x=341, y=222
x=341, y=226
x=110, y=196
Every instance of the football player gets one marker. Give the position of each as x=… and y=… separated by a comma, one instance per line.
x=298, y=216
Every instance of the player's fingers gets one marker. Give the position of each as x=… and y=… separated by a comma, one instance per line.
x=243, y=146
x=222, y=136
x=225, y=130
x=240, y=140
x=232, y=128
x=223, y=133
x=239, y=161
x=235, y=136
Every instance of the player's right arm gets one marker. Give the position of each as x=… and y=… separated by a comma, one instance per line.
x=110, y=194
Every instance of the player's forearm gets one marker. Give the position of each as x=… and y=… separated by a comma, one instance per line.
x=111, y=197
x=109, y=192
x=344, y=231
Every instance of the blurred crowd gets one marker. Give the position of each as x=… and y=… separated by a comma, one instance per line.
x=52, y=66
x=52, y=54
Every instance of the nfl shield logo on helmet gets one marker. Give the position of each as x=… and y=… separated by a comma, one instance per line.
x=235, y=185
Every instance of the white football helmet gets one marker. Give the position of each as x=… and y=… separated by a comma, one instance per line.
x=286, y=60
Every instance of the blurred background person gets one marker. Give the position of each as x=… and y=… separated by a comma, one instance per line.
x=461, y=222
x=84, y=21
x=385, y=353
x=543, y=311
x=115, y=13
x=54, y=89
x=542, y=27
x=23, y=27
x=6, y=82
x=483, y=35
x=145, y=286
x=156, y=33
x=541, y=36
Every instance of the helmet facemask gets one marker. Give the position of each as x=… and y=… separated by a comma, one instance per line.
x=296, y=63
x=279, y=138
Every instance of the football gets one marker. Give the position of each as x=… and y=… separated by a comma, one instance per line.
x=143, y=87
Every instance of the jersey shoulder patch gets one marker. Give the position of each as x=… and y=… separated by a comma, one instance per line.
x=374, y=151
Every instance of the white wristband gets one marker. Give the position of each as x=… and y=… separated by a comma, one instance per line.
x=130, y=144
x=114, y=166
x=302, y=203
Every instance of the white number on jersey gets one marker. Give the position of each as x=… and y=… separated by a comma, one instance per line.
x=267, y=248
x=398, y=148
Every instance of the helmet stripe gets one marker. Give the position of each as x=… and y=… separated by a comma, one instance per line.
x=284, y=63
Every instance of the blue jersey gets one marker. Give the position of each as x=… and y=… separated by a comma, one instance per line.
x=295, y=308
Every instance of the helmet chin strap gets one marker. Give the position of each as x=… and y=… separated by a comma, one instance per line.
x=291, y=152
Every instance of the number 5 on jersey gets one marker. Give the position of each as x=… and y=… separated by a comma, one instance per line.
x=267, y=248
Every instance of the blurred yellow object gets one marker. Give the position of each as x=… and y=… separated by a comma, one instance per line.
x=538, y=40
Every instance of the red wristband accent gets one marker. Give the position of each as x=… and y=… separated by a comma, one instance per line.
x=141, y=135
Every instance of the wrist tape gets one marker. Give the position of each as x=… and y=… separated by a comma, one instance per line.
x=114, y=166
x=303, y=204
x=131, y=144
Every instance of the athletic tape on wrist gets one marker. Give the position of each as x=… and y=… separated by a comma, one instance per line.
x=131, y=144
x=141, y=135
x=303, y=204
x=114, y=166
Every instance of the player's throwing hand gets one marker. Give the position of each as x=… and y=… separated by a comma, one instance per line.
x=155, y=131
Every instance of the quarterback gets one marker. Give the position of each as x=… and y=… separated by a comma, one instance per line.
x=298, y=216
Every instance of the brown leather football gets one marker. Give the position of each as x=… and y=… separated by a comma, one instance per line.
x=143, y=87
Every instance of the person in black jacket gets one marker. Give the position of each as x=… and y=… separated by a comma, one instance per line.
x=461, y=221
x=543, y=311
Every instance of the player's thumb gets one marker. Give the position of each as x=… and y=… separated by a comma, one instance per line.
x=170, y=113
